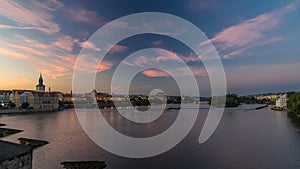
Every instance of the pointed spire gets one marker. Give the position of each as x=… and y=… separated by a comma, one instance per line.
x=40, y=86
x=41, y=79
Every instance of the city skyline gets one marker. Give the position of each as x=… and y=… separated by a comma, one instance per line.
x=257, y=42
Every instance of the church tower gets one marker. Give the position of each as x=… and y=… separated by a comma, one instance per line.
x=40, y=87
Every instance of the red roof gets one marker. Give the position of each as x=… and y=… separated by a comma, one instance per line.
x=52, y=94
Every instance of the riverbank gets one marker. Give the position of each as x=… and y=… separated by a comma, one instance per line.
x=15, y=111
x=295, y=117
x=24, y=111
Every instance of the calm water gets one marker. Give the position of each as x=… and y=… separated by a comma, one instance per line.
x=260, y=139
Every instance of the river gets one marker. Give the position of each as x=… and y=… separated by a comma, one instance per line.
x=244, y=139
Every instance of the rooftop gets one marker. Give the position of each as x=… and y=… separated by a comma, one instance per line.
x=10, y=150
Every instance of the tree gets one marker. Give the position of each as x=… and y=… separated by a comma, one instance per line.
x=232, y=100
x=293, y=104
x=25, y=105
x=11, y=105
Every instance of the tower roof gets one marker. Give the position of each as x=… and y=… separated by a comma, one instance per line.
x=40, y=86
x=41, y=79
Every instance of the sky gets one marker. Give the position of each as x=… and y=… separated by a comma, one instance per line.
x=257, y=41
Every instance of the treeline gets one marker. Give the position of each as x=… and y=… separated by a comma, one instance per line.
x=233, y=100
x=230, y=100
x=293, y=104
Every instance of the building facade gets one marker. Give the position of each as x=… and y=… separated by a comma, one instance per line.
x=45, y=101
x=38, y=100
x=281, y=101
x=15, y=156
x=16, y=99
x=26, y=97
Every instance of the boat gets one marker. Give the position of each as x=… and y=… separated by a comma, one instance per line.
x=261, y=107
x=277, y=108
x=174, y=108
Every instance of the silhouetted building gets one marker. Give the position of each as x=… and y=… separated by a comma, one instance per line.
x=40, y=87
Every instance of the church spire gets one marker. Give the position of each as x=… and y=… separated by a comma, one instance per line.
x=41, y=79
x=40, y=87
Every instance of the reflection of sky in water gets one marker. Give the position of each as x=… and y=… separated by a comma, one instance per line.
x=244, y=139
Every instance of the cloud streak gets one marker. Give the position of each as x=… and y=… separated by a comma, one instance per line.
x=155, y=73
x=46, y=58
x=172, y=61
x=27, y=19
x=66, y=43
x=238, y=39
x=117, y=48
x=84, y=16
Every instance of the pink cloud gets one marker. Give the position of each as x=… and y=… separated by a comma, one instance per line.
x=13, y=54
x=66, y=43
x=84, y=15
x=27, y=19
x=155, y=73
x=104, y=66
x=24, y=49
x=51, y=5
x=170, y=56
x=199, y=71
x=250, y=33
x=144, y=60
x=86, y=65
x=89, y=45
x=117, y=48
x=59, y=63
x=53, y=68
x=141, y=61
x=235, y=53
x=157, y=43
x=176, y=71
x=36, y=44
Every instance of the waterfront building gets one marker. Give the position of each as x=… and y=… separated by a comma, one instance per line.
x=26, y=97
x=281, y=101
x=121, y=98
x=6, y=99
x=44, y=101
x=102, y=96
x=15, y=155
x=1, y=101
x=267, y=97
x=67, y=98
x=16, y=99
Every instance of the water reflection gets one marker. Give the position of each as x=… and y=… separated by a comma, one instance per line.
x=244, y=139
